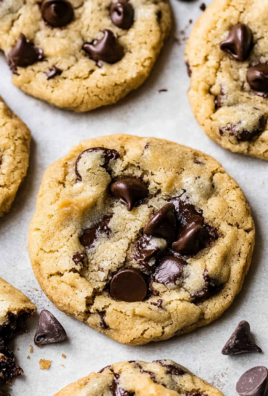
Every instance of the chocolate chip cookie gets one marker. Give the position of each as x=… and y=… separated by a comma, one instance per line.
x=227, y=57
x=162, y=377
x=140, y=238
x=82, y=54
x=15, y=309
x=14, y=155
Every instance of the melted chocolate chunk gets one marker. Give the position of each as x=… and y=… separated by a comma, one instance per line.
x=129, y=191
x=106, y=49
x=15, y=325
x=89, y=236
x=239, y=43
x=115, y=388
x=144, y=251
x=53, y=72
x=158, y=303
x=170, y=368
x=23, y=54
x=150, y=373
x=257, y=77
x=8, y=367
x=107, y=154
x=57, y=13
x=128, y=285
x=78, y=257
x=242, y=135
x=212, y=287
x=254, y=382
x=163, y=224
x=103, y=324
x=189, y=70
x=241, y=341
x=169, y=271
x=122, y=14
x=49, y=330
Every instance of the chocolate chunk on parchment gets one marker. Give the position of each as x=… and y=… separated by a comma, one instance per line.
x=49, y=329
x=241, y=341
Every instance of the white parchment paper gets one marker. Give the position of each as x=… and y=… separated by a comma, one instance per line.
x=146, y=112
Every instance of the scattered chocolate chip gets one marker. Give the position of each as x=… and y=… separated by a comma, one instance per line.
x=211, y=288
x=103, y=323
x=170, y=368
x=169, y=271
x=189, y=70
x=203, y=7
x=158, y=303
x=243, y=135
x=89, y=236
x=106, y=49
x=115, y=388
x=241, y=341
x=23, y=54
x=57, y=13
x=163, y=224
x=49, y=329
x=122, y=14
x=129, y=191
x=78, y=257
x=239, y=43
x=253, y=382
x=108, y=155
x=53, y=72
x=257, y=77
x=128, y=285
x=145, y=251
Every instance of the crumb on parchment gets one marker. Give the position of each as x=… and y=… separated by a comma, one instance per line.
x=44, y=364
x=31, y=349
x=64, y=356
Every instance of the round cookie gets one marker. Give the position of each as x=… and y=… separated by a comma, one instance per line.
x=14, y=155
x=227, y=55
x=161, y=378
x=140, y=238
x=81, y=55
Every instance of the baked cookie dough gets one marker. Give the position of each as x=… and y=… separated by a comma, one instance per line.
x=14, y=155
x=140, y=238
x=82, y=54
x=227, y=56
x=162, y=378
x=15, y=309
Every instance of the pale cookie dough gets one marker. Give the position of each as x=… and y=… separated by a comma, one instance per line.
x=58, y=68
x=140, y=238
x=160, y=378
x=14, y=155
x=227, y=42
x=15, y=309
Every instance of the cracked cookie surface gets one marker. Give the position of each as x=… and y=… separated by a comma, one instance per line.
x=140, y=238
x=162, y=377
x=14, y=155
x=88, y=54
x=227, y=55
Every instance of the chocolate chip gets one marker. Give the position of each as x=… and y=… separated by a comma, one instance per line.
x=78, y=257
x=158, y=303
x=211, y=288
x=145, y=251
x=106, y=49
x=190, y=238
x=115, y=388
x=8, y=367
x=243, y=135
x=129, y=191
x=49, y=330
x=257, y=77
x=253, y=382
x=150, y=373
x=239, y=43
x=189, y=69
x=241, y=341
x=89, y=236
x=52, y=72
x=163, y=224
x=169, y=271
x=23, y=54
x=170, y=368
x=108, y=155
x=122, y=14
x=203, y=7
x=128, y=285
x=57, y=13
x=103, y=323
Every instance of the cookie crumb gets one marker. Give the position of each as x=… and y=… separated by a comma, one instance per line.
x=28, y=357
x=18, y=349
x=35, y=289
x=44, y=364
x=203, y=7
x=31, y=349
x=64, y=356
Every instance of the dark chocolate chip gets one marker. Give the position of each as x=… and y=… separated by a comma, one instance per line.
x=144, y=251
x=170, y=368
x=163, y=224
x=239, y=43
x=89, y=235
x=189, y=69
x=49, y=329
x=108, y=155
x=128, y=285
x=170, y=271
x=190, y=238
x=122, y=14
x=257, y=77
x=106, y=49
x=241, y=341
x=253, y=382
x=243, y=135
x=158, y=303
x=23, y=54
x=203, y=7
x=115, y=388
x=103, y=323
x=8, y=366
x=53, y=72
x=130, y=191
x=150, y=373
x=78, y=257
x=57, y=13
x=211, y=288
